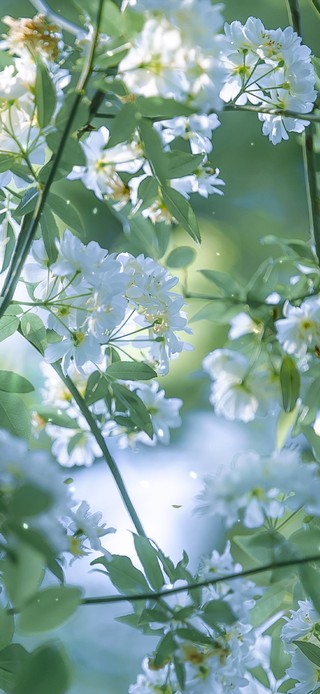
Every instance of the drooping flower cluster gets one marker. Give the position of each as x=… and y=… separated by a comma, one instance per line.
x=302, y=626
x=271, y=69
x=94, y=299
x=33, y=490
x=253, y=488
x=221, y=665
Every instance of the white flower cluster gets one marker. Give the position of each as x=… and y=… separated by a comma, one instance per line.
x=241, y=389
x=269, y=68
x=77, y=446
x=20, y=134
x=299, y=330
x=93, y=299
x=222, y=666
x=303, y=625
x=65, y=525
x=253, y=488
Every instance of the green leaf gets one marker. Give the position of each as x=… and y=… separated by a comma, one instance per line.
x=286, y=422
x=8, y=326
x=13, y=383
x=49, y=608
x=23, y=576
x=166, y=647
x=223, y=280
x=310, y=650
x=14, y=415
x=220, y=311
x=7, y=161
x=6, y=628
x=66, y=211
x=9, y=243
x=217, y=612
x=96, y=388
x=49, y=414
x=29, y=500
x=137, y=409
x=159, y=109
x=290, y=383
x=50, y=233
x=263, y=282
x=34, y=539
x=123, y=125
x=181, y=257
x=149, y=560
x=192, y=634
x=153, y=150
x=45, y=94
x=279, y=660
x=27, y=202
x=154, y=615
x=130, y=371
x=112, y=21
x=181, y=211
x=147, y=193
x=182, y=164
x=123, y=574
x=11, y=660
x=33, y=330
x=45, y=672
x=274, y=599
x=260, y=675
x=310, y=580
x=73, y=153
x=81, y=116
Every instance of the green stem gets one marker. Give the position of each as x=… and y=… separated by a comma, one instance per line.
x=200, y=584
x=273, y=111
x=101, y=442
x=308, y=151
x=29, y=229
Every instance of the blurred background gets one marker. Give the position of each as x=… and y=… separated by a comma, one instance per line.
x=264, y=194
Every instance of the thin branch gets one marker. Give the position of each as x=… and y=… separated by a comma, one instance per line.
x=27, y=235
x=200, y=584
x=102, y=444
x=316, y=5
x=65, y=24
x=308, y=151
x=272, y=111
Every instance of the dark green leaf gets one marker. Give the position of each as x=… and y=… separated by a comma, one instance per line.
x=9, y=242
x=33, y=329
x=45, y=94
x=181, y=211
x=137, y=409
x=96, y=388
x=23, y=576
x=155, y=615
x=7, y=161
x=153, y=150
x=6, y=628
x=194, y=635
x=159, y=109
x=50, y=233
x=310, y=650
x=180, y=672
x=45, y=672
x=66, y=211
x=310, y=579
x=130, y=371
x=166, y=647
x=11, y=660
x=123, y=125
x=13, y=383
x=73, y=153
x=49, y=414
x=149, y=560
x=217, y=612
x=27, y=202
x=181, y=257
x=183, y=164
x=290, y=383
x=49, y=608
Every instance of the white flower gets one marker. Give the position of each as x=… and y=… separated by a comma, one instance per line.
x=196, y=129
x=305, y=672
x=84, y=523
x=75, y=258
x=299, y=330
x=254, y=488
x=74, y=446
x=241, y=324
x=299, y=624
x=77, y=347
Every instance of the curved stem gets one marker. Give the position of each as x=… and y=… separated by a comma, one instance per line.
x=29, y=228
x=157, y=595
x=102, y=444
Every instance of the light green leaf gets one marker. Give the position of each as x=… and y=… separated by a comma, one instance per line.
x=27, y=202
x=181, y=257
x=96, y=388
x=33, y=329
x=66, y=211
x=13, y=383
x=7, y=161
x=149, y=560
x=123, y=574
x=14, y=415
x=181, y=211
x=49, y=608
x=112, y=22
x=166, y=647
x=73, y=153
x=130, y=371
x=8, y=325
x=49, y=414
x=159, y=109
x=45, y=672
x=45, y=94
x=182, y=164
x=123, y=125
x=29, y=500
x=223, y=280
x=290, y=383
x=50, y=233
x=220, y=311
x=286, y=422
x=23, y=576
x=138, y=411
x=9, y=241
x=11, y=660
x=153, y=150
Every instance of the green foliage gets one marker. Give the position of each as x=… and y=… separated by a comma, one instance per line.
x=29, y=500
x=181, y=257
x=46, y=670
x=123, y=574
x=49, y=608
x=8, y=326
x=14, y=383
x=130, y=371
x=14, y=415
x=290, y=383
x=149, y=560
x=182, y=211
x=310, y=650
x=45, y=94
x=12, y=659
x=33, y=329
x=310, y=580
x=217, y=612
x=23, y=574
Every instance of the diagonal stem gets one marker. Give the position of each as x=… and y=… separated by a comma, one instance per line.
x=27, y=234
